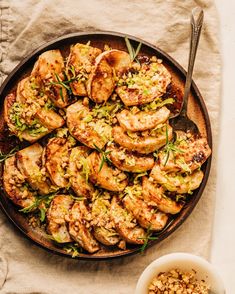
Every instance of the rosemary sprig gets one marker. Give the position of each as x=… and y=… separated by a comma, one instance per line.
x=132, y=52
x=170, y=147
x=41, y=204
x=104, y=157
x=65, y=83
x=147, y=239
x=4, y=156
x=155, y=237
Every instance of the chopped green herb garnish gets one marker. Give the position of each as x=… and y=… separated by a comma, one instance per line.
x=158, y=103
x=42, y=214
x=72, y=249
x=85, y=168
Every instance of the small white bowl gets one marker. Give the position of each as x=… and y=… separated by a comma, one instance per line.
x=185, y=262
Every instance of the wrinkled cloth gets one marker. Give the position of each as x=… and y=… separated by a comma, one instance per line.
x=26, y=268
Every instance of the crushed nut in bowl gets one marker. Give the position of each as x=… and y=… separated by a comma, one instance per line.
x=177, y=281
x=180, y=273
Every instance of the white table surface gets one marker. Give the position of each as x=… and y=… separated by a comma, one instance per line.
x=223, y=247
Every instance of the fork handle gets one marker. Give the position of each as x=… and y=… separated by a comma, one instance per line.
x=196, y=25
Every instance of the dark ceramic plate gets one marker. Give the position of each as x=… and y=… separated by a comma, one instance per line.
x=197, y=111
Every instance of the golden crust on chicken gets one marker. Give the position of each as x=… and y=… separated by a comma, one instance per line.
x=78, y=172
x=19, y=121
x=58, y=217
x=142, y=86
x=189, y=154
x=79, y=227
x=126, y=224
x=154, y=195
x=82, y=128
x=176, y=182
x=142, y=120
x=105, y=176
x=56, y=161
x=80, y=61
x=129, y=161
x=29, y=162
x=15, y=185
x=104, y=228
x=49, y=69
x=142, y=144
x=29, y=120
x=101, y=81
x=145, y=214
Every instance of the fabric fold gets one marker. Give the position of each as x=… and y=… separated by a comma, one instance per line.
x=3, y=271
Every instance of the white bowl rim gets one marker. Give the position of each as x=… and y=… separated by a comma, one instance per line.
x=143, y=281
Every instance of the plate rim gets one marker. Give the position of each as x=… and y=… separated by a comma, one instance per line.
x=43, y=47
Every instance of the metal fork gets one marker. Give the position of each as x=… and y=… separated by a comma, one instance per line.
x=181, y=121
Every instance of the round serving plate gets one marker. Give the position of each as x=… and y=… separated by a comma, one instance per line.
x=196, y=110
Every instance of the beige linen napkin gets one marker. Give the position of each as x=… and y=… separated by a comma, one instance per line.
x=165, y=23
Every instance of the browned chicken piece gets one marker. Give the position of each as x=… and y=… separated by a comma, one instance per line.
x=149, y=83
x=77, y=171
x=142, y=120
x=49, y=119
x=101, y=81
x=29, y=162
x=104, y=228
x=48, y=63
x=27, y=90
x=29, y=120
x=56, y=161
x=154, y=195
x=105, y=176
x=191, y=152
x=79, y=227
x=30, y=93
x=48, y=69
x=15, y=185
x=140, y=144
x=176, y=182
x=145, y=214
x=128, y=161
x=126, y=224
x=18, y=125
x=80, y=61
x=82, y=129
x=58, y=217
x=119, y=60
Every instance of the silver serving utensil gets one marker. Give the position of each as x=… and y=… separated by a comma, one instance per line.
x=181, y=121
